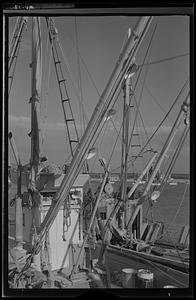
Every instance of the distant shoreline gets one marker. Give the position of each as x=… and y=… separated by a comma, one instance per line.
x=180, y=176
x=184, y=176
x=177, y=176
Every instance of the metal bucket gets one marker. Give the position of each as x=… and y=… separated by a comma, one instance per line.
x=144, y=278
x=128, y=278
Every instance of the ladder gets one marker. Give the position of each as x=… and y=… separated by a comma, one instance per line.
x=14, y=49
x=71, y=129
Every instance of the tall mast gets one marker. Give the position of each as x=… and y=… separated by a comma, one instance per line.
x=125, y=137
x=183, y=112
x=125, y=134
x=95, y=122
x=36, y=77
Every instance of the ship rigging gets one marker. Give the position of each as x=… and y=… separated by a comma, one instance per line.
x=55, y=196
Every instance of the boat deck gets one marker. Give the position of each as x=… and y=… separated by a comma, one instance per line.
x=117, y=258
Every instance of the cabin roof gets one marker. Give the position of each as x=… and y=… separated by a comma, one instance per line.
x=80, y=181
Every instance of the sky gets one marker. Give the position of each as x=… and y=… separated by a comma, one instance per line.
x=99, y=40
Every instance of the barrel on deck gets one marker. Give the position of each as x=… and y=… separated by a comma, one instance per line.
x=170, y=287
x=128, y=278
x=144, y=278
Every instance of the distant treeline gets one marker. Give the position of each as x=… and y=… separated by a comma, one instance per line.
x=180, y=176
x=134, y=175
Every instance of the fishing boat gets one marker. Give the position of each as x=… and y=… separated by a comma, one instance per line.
x=58, y=237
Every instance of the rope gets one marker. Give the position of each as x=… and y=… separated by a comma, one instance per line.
x=168, y=172
x=100, y=143
x=170, y=167
x=175, y=156
x=164, y=59
x=155, y=100
x=119, y=78
x=67, y=66
x=56, y=56
x=172, y=161
x=104, y=133
x=79, y=72
x=84, y=64
x=135, y=87
x=104, y=122
x=179, y=146
x=112, y=152
x=66, y=217
x=137, y=108
x=173, y=243
x=47, y=88
x=179, y=207
x=115, y=127
x=164, y=272
x=140, y=137
x=175, y=101
x=143, y=124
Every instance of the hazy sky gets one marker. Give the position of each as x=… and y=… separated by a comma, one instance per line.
x=99, y=41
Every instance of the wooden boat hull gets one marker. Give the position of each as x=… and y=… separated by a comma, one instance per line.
x=118, y=258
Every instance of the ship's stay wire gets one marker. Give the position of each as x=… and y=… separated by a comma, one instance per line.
x=148, y=51
x=93, y=83
x=160, y=124
x=104, y=133
x=180, y=205
x=164, y=59
x=169, y=235
x=142, y=120
x=137, y=80
x=119, y=79
x=52, y=46
x=83, y=62
x=118, y=133
x=67, y=66
x=93, y=80
x=112, y=95
x=170, y=167
x=78, y=93
x=80, y=77
x=134, y=88
x=140, y=136
x=43, y=105
x=156, y=101
x=100, y=144
x=147, y=64
x=174, y=158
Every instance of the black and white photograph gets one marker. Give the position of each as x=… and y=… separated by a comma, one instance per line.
x=97, y=149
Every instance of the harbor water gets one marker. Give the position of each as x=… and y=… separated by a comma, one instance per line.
x=173, y=205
